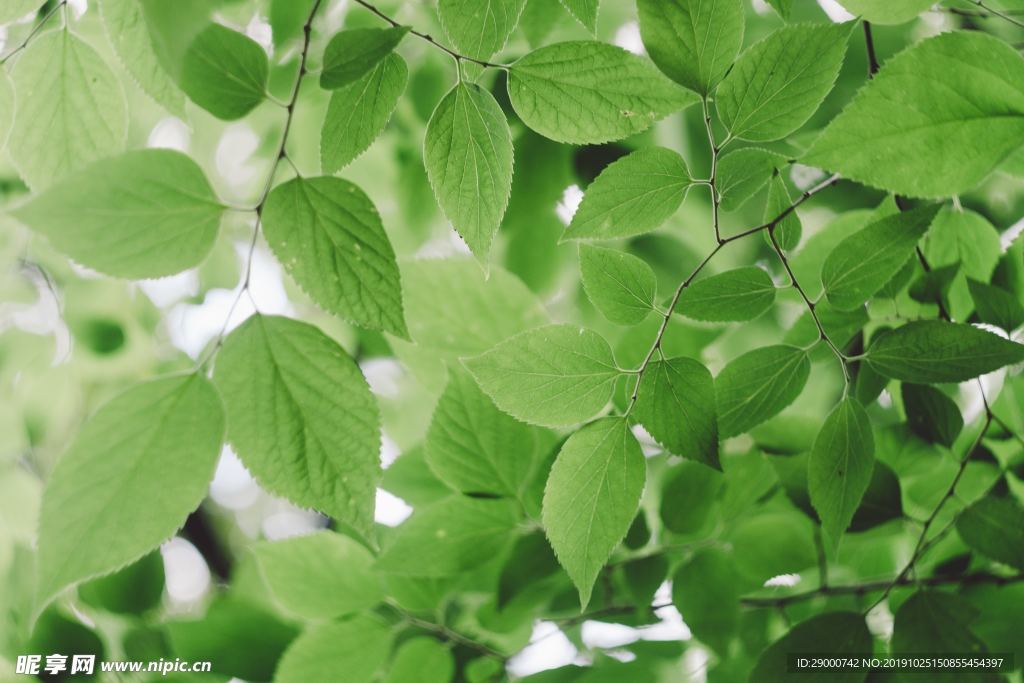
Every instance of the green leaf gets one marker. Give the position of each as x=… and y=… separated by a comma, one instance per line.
x=286, y=19
x=468, y=155
x=688, y=497
x=994, y=526
x=758, y=385
x=359, y=111
x=783, y=7
x=16, y=9
x=583, y=11
x=936, y=622
x=530, y=561
x=62, y=80
x=778, y=82
x=553, y=376
x=225, y=72
x=934, y=351
x=706, y=591
x=865, y=261
x=352, y=54
x=474, y=447
x=129, y=480
x=135, y=589
x=301, y=417
x=6, y=107
x=741, y=173
x=963, y=237
x=676, y=405
x=452, y=536
x=788, y=231
x=931, y=414
x=996, y=305
x=886, y=11
x=901, y=129
x=479, y=28
x=837, y=633
x=143, y=214
x=329, y=237
x=694, y=43
x=619, y=285
x=632, y=195
x=319, y=576
x=586, y=92
x=591, y=497
x=840, y=467
x=421, y=660
x=739, y=294
x=126, y=28
x=358, y=646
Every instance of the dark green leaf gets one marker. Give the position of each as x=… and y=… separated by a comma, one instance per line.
x=931, y=414
x=994, y=526
x=225, y=72
x=706, y=591
x=835, y=633
x=996, y=305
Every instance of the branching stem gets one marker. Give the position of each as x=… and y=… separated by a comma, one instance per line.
x=35, y=30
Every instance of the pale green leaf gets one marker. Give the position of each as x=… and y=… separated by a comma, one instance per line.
x=583, y=11
x=632, y=195
x=143, y=214
x=839, y=469
x=479, y=28
x=131, y=477
x=17, y=9
x=358, y=646
x=319, y=576
x=301, y=417
x=694, y=42
x=554, y=376
x=676, y=405
x=839, y=634
x=783, y=7
x=789, y=230
x=859, y=266
x=742, y=173
x=286, y=19
x=591, y=497
x=352, y=54
x=172, y=27
x=706, y=591
x=620, y=285
x=359, y=111
x=886, y=11
x=126, y=28
x=329, y=237
x=777, y=83
x=449, y=537
x=739, y=294
x=421, y=660
x=225, y=72
x=758, y=385
x=62, y=80
x=994, y=526
x=966, y=238
x=6, y=107
x=935, y=351
x=468, y=155
x=474, y=447
x=957, y=91
x=586, y=92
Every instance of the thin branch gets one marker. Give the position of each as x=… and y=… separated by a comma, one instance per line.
x=445, y=632
x=943, y=313
x=869, y=43
x=458, y=57
x=35, y=30
x=804, y=196
x=999, y=13
x=716, y=199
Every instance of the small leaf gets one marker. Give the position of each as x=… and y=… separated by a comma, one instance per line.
x=468, y=155
x=865, y=261
x=286, y=19
x=937, y=622
x=839, y=469
x=319, y=576
x=143, y=214
x=899, y=131
x=688, y=497
x=301, y=417
x=931, y=414
x=996, y=306
x=225, y=72
x=994, y=526
x=619, y=285
x=837, y=633
x=359, y=111
x=935, y=351
x=452, y=536
x=632, y=195
x=886, y=11
x=359, y=646
x=530, y=561
x=777, y=83
x=583, y=11
x=783, y=7
x=128, y=481
x=591, y=497
x=676, y=405
x=329, y=237
x=554, y=376
x=788, y=231
x=586, y=92
x=758, y=385
x=740, y=294
x=705, y=590
x=694, y=43
x=743, y=172
x=353, y=53
x=479, y=28
x=421, y=660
